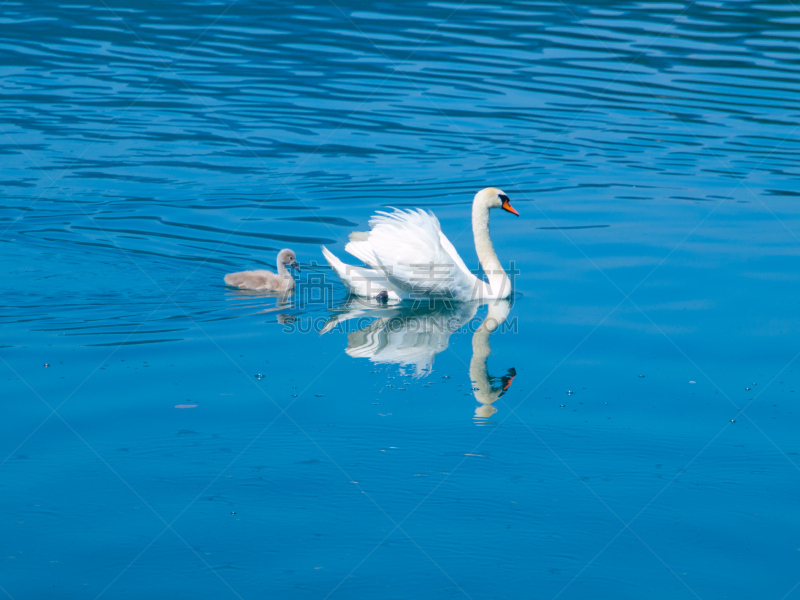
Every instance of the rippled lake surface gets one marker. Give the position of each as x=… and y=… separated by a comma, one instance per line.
x=165, y=436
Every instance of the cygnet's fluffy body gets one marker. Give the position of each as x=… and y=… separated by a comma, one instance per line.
x=261, y=279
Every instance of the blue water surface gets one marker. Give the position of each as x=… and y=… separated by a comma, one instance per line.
x=164, y=436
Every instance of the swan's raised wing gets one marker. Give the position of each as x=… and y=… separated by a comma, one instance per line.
x=451, y=250
x=411, y=250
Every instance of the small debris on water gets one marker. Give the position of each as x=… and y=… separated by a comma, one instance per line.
x=259, y=376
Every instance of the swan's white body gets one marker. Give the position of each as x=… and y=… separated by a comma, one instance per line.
x=408, y=256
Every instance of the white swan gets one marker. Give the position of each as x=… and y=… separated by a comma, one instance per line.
x=261, y=279
x=408, y=256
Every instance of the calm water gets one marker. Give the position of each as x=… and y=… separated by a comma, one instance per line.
x=148, y=148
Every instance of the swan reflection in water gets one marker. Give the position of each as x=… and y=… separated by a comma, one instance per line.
x=486, y=388
x=411, y=336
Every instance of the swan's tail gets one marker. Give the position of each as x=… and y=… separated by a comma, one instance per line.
x=360, y=281
x=237, y=279
x=338, y=267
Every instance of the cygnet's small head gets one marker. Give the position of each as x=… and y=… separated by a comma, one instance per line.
x=287, y=257
x=495, y=198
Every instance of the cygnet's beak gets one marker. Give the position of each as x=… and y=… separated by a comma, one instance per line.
x=295, y=265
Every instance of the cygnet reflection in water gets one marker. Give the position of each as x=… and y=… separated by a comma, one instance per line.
x=412, y=336
x=261, y=301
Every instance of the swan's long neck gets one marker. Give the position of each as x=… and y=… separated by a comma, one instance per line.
x=498, y=280
x=282, y=270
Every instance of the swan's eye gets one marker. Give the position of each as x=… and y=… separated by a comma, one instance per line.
x=504, y=198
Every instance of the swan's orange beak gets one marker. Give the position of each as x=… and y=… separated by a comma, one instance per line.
x=508, y=379
x=507, y=206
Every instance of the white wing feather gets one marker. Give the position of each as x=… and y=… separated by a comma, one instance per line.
x=360, y=281
x=416, y=257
